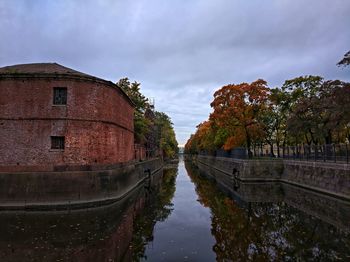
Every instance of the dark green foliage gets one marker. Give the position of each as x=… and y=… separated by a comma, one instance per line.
x=152, y=129
x=159, y=210
x=345, y=61
x=141, y=104
x=166, y=135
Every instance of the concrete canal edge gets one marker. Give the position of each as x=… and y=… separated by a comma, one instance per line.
x=326, y=178
x=41, y=191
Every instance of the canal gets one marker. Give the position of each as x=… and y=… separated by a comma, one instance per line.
x=185, y=216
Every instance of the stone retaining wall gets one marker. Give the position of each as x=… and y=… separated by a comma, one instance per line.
x=329, y=178
x=330, y=209
x=55, y=189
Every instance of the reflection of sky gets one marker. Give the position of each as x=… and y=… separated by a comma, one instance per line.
x=181, y=51
x=185, y=234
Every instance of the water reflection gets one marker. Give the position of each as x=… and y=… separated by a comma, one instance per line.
x=158, y=208
x=95, y=234
x=100, y=234
x=267, y=231
x=183, y=216
x=184, y=234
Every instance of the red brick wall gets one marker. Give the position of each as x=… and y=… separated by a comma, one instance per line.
x=97, y=123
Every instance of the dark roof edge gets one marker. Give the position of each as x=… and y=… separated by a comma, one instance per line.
x=67, y=76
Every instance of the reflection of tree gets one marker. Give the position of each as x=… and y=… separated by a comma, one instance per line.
x=159, y=208
x=267, y=231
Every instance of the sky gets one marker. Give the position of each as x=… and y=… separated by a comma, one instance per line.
x=181, y=51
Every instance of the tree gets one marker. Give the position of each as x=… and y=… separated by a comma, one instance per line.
x=154, y=130
x=331, y=103
x=141, y=123
x=345, y=61
x=270, y=123
x=190, y=146
x=202, y=140
x=306, y=109
x=289, y=99
x=236, y=109
x=165, y=135
x=318, y=112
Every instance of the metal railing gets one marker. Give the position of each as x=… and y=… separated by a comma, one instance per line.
x=337, y=153
x=326, y=153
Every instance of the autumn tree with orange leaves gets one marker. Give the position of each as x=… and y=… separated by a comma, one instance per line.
x=202, y=139
x=305, y=110
x=237, y=109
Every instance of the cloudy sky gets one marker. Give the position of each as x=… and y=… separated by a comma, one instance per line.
x=180, y=50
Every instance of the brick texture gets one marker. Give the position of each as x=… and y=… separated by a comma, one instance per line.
x=97, y=123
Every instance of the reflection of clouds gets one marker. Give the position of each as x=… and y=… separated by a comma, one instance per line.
x=180, y=51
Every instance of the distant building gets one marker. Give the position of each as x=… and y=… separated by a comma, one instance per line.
x=56, y=118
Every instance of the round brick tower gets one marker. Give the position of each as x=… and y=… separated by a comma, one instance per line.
x=53, y=118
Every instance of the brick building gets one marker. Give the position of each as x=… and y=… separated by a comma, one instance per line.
x=56, y=118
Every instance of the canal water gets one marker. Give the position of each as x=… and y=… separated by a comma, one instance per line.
x=186, y=216
x=185, y=234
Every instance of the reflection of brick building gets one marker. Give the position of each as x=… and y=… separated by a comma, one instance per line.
x=55, y=118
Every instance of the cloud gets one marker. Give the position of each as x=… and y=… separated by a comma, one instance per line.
x=181, y=51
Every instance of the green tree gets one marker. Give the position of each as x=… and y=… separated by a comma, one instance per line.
x=166, y=138
x=270, y=122
x=314, y=109
x=152, y=129
x=289, y=99
x=141, y=123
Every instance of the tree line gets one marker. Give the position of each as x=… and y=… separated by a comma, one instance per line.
x=152, y=129
x=304, y=110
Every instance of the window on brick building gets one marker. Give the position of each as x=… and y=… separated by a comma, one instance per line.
x=57, y=142
x=59, y=95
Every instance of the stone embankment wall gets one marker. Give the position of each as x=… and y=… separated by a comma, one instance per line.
x=73, y=189
x=329, y=178
x=311, y=202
